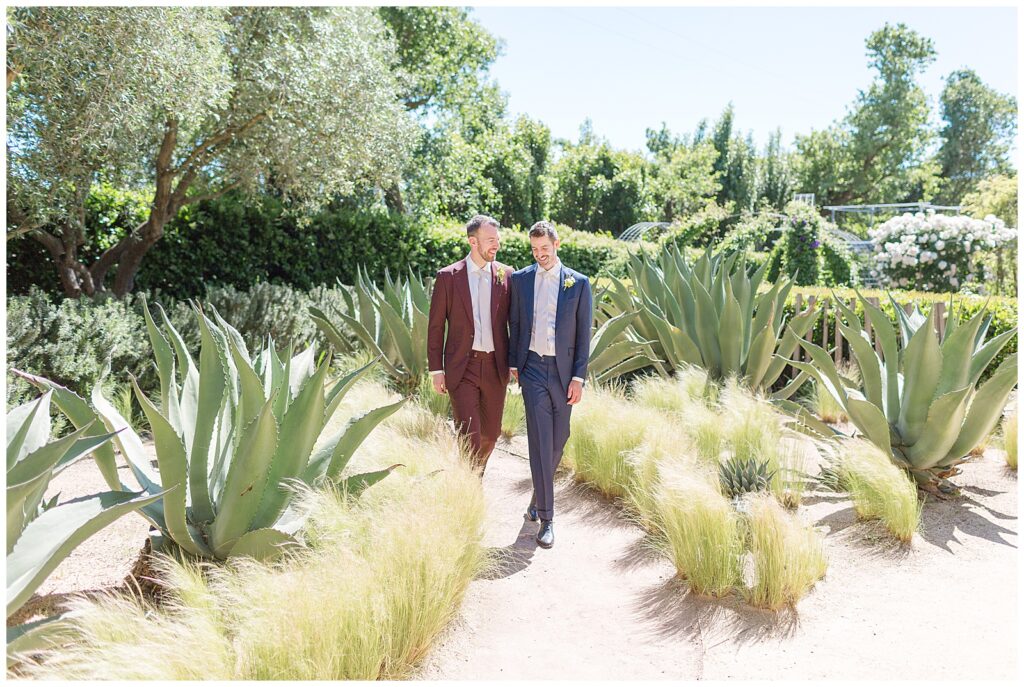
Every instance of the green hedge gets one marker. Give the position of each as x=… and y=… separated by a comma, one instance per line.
x=238, y=242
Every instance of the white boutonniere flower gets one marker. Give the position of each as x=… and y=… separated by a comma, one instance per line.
x=567, y=284
x=501, y=275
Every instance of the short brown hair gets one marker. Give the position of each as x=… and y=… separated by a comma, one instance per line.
x=478, y=221
x=544, y=228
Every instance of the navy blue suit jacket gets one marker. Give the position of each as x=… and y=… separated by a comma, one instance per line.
x=573, y=319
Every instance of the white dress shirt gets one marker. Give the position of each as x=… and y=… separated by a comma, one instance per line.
x=546, y=286
x=545, y=307
x=480, y=294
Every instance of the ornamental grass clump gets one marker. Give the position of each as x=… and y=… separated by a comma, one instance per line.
x=374, y=583
x=513, y=415
x=702, y=532
x=788, y=556
x=1010, y=439
x=879, y=489
x=605, y=427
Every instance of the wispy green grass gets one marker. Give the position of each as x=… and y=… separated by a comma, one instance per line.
x=701, y=530
x=1010, y=439
x=365, y=600
x=605, y=427
x=788, y=556
x=513, y=415
x=438, y=404
x=879, y=489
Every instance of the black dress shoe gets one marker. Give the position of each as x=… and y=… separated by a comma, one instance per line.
x=531, y=510
x=546, y=536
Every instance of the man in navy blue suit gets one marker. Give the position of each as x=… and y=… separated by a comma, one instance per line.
x=550, y=316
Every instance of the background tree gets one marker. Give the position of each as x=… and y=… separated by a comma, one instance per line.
x=774, y=178
x=878, y=152
x=683, y=180
x=443, y=62
x=980, y=125
x=597, y=188
x=304, y=97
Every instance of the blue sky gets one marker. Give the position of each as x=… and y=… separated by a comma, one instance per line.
x=630, y=68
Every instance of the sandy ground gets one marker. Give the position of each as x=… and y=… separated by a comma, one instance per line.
x=600, y=605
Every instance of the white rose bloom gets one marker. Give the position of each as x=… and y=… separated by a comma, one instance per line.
x=904, y=281
x=939, y=245
x=942, y=264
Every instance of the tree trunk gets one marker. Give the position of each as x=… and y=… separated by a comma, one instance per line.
x=393, y=198
x=134, y=250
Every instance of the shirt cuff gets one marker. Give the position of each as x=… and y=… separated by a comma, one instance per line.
x=580, y=380
x=437, y=372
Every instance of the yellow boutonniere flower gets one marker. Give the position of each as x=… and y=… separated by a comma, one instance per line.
x=501, y=275
x=567, y=284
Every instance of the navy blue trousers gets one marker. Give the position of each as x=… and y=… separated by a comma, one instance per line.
x=547, y=426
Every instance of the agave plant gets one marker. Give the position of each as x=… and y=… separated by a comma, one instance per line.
x=710, y=314
x=921, y=404
x=739, y=476
x=615, y=350
x=390, y=321
x=40, y=534
x=230, y=432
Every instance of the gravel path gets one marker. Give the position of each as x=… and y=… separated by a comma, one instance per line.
x=598, y=605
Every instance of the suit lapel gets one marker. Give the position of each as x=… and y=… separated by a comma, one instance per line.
x=529, y=277
x=559, y=307
x=494, y=294
x=462, y=288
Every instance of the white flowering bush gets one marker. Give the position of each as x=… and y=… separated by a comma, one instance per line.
x=930, y=252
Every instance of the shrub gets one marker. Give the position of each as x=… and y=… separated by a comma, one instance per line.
x=513, y=415
x=68, y=341
x=879, y=489
x=801, y=242
x=935, y=252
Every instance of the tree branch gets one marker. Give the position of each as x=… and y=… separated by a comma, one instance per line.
x=213, y=194
x=223, y=137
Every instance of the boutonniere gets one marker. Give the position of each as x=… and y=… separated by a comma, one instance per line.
x=501, y=275
x=567, y=284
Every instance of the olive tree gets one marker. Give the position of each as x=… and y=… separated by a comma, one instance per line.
x=190, y=103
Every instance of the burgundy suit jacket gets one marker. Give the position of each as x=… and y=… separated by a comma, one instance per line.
x=452, y=304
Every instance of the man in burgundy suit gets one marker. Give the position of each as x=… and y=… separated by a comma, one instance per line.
x=469, y=362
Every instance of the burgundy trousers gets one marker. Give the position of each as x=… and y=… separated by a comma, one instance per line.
x=477, y=404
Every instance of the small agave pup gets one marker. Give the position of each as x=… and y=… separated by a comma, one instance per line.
x=230, y=432
x=921, y=405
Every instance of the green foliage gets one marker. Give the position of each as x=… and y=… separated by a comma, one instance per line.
x=388, y=321
x=877, y=152
x=40, y=533
x=236, y=430
x=298, y=100
x=980, y=125
x=597, y=188
x=70, y=341
x=683, y=179
x=838, y=266
x=788, y=556
x=801, y=243
x=698, y=229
